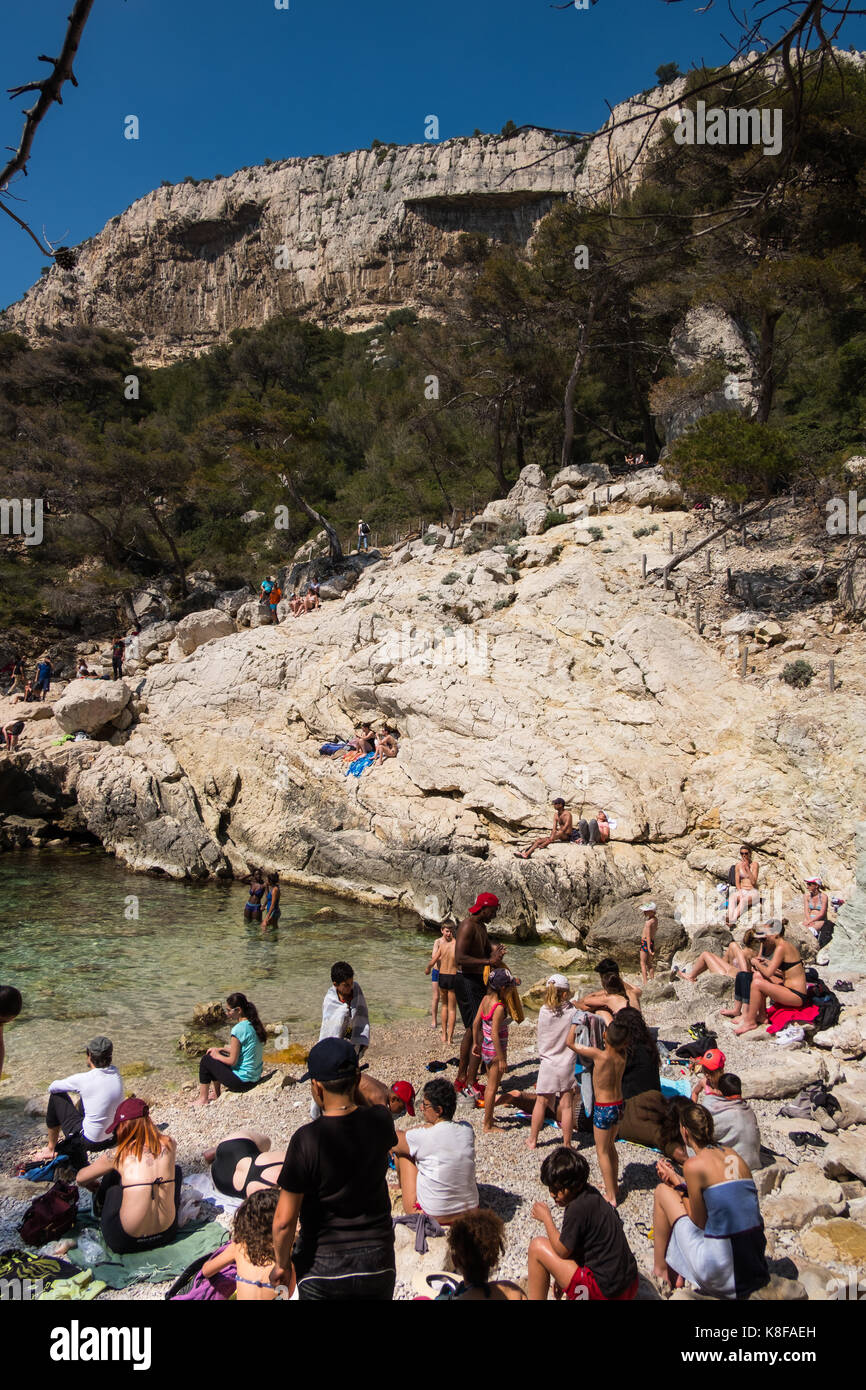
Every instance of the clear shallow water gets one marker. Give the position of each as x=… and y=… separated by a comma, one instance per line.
x=85, y=967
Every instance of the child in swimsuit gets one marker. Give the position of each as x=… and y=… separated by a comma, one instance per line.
x=490, y=1038
x=251, y=1249
x=608, y=1067
x=647, y=942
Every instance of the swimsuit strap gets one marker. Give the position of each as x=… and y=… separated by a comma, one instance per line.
x=256, y=1283
x=155, y=1183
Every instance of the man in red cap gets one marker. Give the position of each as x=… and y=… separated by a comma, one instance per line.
x=474, y=952
x=399, y=1098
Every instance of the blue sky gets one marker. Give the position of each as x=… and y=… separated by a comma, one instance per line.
x=218, y=84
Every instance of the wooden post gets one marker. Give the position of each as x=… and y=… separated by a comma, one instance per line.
x=743, y=536
x=744, y=662
x=643, y=567
x=729, y=581
x=607, y=496
x=832, y=674
x=667, y=580
x=709, y=562
x=670, y=542
x=698, y=616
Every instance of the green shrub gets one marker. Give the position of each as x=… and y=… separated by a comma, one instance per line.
x=450, y=578
x=644, y=531
x=597, y=532
x=509, y=531
x=430, y=538
x=504, y=602
x=515, y=574
x=798, y=674
x=554, y=519
x=473, y=543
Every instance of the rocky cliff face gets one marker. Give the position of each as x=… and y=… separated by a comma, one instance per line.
x=514, y=675
x=343, y=240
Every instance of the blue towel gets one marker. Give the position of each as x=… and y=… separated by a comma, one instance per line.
x=357, y=767
x=328, y=748
x=42, y=1172
x=677, y=1086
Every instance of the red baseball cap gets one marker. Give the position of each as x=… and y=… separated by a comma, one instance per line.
x=130, y=1109
x=484, y=900
x=714, y=1060
x=406, y=1094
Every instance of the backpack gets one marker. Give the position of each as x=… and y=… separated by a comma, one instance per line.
x=50, y=1215
x=827, y=1003
x=732, y=876
x=365, y=530
x=275, y=595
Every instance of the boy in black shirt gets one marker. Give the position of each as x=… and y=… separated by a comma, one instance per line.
x=333, y=1179
x=590, y=1258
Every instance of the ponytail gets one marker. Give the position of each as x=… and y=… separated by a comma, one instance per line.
x=250, y=1013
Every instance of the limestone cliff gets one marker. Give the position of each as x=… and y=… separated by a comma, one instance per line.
x=344, y=239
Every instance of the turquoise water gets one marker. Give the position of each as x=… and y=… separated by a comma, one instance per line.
x=85, y=964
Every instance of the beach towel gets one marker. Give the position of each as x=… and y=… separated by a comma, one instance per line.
x=350, y=1021
x=328, y=748
x=357, y=767
x=24, y=1264
x=80, y=1287
x=779, y=1018
x=204, y=1184
x=43, y=1172
x=677, y=1086
x=216, y=1288
x=155, y=1266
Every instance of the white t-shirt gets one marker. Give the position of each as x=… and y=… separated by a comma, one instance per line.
x=445, y=1155
x=101, y=1091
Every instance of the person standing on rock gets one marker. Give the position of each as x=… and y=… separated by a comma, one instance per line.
x=44, y=672
x=118, y=651
x=474, y=952
x=562, y=832
x=648, y=941
x=363, y=535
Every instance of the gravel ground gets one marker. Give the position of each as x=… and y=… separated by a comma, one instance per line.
x=508, y=1173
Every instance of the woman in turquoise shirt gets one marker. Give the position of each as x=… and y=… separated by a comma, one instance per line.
x=238, y=1067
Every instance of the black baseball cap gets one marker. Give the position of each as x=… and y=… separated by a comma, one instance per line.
x=332, y=1059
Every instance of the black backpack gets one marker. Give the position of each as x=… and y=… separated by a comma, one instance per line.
x=827, y=1003
x=732, y=876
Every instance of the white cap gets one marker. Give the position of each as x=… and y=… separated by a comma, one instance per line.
x=559, y=980
x=648, y=907
x=816, y=879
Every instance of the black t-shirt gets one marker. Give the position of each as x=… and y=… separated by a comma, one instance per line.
x=339, y=1163
x=592, y=1234
x=641, y=1072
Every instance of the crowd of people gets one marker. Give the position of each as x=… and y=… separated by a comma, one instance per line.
x=316, y=1215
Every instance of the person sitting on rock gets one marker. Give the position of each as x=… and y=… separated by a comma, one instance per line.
x=734, y=1121
x=244, y=1162
x=614, y=994
x=736, y=959
x=781, y=978
x=28, y=698
x=745, y=892
x=562, y=832
x=707, y=1224
x=386, y=745
x=296, y=604
x=594, y=832
x=139, y=1194
x=100, y=1091
x=436, y=1162
x=311, y=597
x=589, y=1258
x=363, y=741
x=816, y=906
x=476, y=1244
x=238, y=1067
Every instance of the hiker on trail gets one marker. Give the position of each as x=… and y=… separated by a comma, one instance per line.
x=253, y=905
x=251, y=1249
x=590, y=1257
x=816, y=906
x=344, y=1009
x=745, y=885
x=614, y=994
x=556, y=1076
x=563, y=830
x=363, y=535
x=10, y=1007
x=647, y=941
x=474, y=952
x=608, y=1066
x=11, y=734
x=594, y=832
x=238, y=1067
x=334, y=1182
x=779, y=979
x=139, y=1196
x=436, y=1161
x=118, y=651
x=44, y=672
x=100, y=1091
x=399, y=1097
x=272, y=908
x=707, y=1225
x=244, y=1162
x=443, y=967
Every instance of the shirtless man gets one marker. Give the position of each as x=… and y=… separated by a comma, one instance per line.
x=745, y=892
x=563, y=827
x=399, y=1098
x=474, y=950
x=444, y=959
